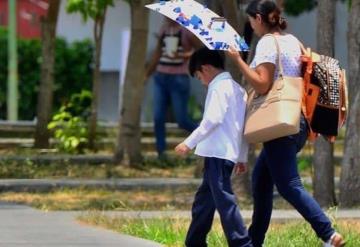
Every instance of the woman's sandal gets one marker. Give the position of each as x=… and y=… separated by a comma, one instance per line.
x=336, y=240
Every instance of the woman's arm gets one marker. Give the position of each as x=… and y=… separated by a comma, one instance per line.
x=260, y=78
x=151, y=66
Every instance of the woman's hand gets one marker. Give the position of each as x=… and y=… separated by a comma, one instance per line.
x=233, y=54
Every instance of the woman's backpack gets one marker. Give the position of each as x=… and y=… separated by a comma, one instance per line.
x=325, y=100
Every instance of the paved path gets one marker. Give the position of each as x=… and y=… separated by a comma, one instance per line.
x=277, y=215
x=21, y=226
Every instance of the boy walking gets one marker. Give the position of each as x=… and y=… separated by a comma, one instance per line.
x=219, y=138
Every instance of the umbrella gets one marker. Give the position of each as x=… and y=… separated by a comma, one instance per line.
x=214, y=31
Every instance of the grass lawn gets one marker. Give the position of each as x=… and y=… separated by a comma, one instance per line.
x=171, y=232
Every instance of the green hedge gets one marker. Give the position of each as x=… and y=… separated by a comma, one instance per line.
x=73, y=73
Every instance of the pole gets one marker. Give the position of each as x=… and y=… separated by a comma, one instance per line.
x=12, y=89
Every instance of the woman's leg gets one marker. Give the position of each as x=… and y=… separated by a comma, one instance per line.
x=262, y=191
x=281, y=157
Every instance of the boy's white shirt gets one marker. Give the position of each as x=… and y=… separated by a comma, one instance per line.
x=220, y=133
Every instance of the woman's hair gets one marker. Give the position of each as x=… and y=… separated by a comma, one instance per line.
x=269, y=11
x=204, y=56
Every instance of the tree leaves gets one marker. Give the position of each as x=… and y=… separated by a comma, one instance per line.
x=93, y=9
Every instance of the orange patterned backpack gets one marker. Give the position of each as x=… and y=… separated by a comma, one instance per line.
x=325, y=99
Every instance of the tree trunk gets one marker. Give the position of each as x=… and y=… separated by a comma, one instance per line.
x=215, y=6
x=350, y=173
x=98, y=35
x=236, y=18
x=45, y=96
x=232, y=13
x=324, y=186
x=129, y=136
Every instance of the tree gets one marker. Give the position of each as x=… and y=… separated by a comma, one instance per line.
x=323, y=182
x=95, y=10
x=129, y=135
x=45, y=96
x=235, y=15
x=350, y=173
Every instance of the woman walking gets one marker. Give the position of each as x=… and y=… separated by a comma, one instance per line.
x=276, y=164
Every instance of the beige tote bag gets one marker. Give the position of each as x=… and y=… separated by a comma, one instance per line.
x=277, y=113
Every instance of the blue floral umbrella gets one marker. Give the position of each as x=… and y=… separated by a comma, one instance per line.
x=214, y=31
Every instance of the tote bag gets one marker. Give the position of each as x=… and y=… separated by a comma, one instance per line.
x=277, y=113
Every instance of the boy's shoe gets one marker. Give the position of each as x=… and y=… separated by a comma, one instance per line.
x=336, y=240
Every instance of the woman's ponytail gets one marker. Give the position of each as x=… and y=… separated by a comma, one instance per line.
x=269, y=11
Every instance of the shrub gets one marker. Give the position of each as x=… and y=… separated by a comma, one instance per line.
x=73, y=72
x=69, y=124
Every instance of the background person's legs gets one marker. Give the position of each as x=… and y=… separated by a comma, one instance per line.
x=161, y=102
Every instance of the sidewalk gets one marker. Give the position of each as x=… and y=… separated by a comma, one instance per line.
x=277, y=215
x=27, y=227
x=22, y=226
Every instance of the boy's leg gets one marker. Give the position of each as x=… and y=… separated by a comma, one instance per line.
x=262, y=191
x=161, y=102
x=219, y=172
x=203, y=210
x=180, y=93
x=281, y=156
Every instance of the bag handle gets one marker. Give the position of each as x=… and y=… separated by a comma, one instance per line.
x=278, y=58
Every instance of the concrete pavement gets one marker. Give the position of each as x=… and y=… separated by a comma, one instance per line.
x=22, y=226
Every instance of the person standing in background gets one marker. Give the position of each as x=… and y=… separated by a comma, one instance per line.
x=169, y=63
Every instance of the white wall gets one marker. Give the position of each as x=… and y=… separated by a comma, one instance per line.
x=117, y=26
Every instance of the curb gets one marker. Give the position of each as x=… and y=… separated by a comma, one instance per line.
x=44, y=185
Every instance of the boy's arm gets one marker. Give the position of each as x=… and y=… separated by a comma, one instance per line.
x=213, y=116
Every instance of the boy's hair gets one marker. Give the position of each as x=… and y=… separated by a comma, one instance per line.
x=204, y=56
